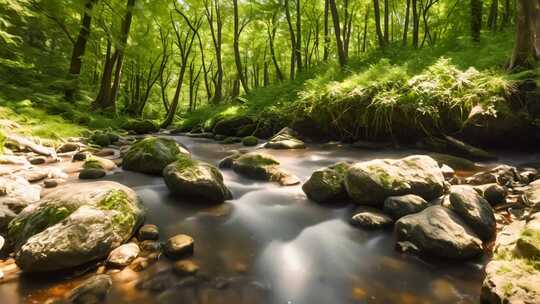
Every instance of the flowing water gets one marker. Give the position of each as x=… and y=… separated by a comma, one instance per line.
x=272, y=245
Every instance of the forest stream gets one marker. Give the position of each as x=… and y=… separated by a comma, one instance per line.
x=270, y=244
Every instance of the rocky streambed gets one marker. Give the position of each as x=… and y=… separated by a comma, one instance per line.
x=169, y=219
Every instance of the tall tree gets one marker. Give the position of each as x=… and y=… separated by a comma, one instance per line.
x=493, y=15
x=215, y=21
x=79, y=47
x=342, y=55
x=527, y=46
x=476, y=19
x=406, y=25
x=238, y=28
x=377, y=15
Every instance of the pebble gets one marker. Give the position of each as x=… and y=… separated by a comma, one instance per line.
x=179, y=245
x=148, y=232
x=37, y=160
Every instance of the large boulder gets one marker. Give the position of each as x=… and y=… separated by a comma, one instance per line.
x=327, y=184
x=285, y=139
x=260, y=166
x=474, y=210
x=400, y=206
x=152, y=154
x=437, y=231
x=371, y=182
x=511, y=276
x=73, y=225
x=192, y=178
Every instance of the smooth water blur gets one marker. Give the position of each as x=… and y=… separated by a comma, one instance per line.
x=276, y=246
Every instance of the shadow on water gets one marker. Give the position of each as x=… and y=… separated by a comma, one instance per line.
x=272, y=245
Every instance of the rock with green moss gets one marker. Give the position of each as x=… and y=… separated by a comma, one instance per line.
x=260, y=166
x=74, y=225
x=327, y=184
x=196, y=179
x=231, y=140
x=512, y=276
x=152, y=154
x=250, y=141
x=371, y=182
x=96, y=162
x=285, y=139
x=230, y=126
x=141, y=126
x=529, y=240
x=100, y=139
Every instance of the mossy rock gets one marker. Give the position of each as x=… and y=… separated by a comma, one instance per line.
x=231, y=140
x=196, y=179
x=230, y=126
x=141, y=126
x=100, y=139
x=74, y=225
x=250, y=141
x=260, y=166
x=92, y=163
x=327, y=184
x=152, y=154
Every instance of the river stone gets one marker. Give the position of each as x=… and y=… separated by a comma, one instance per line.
x=511, y=277
x=185, y=268
x=148, y=232
x=437, y=231
x=230, y=126
x=370, y=218
x=96, y=162
x=91, y=291
x=123, y=255
x=400, y=206
x=179, y=245
x=80, y=156
x=503, y=175
x=68, y=147
x=73, y=225
x=250, y=141
x=6, y=215
x=260, y=166
x=285, y=139
x=197, y=179
x=39, y=160
x=371, y=182
x=19, y=193
x=531, y=196
x=529, y=240
x=327, y=184
x=151, y=155
x=494, y=193
x=474, y=210
x=91, y=173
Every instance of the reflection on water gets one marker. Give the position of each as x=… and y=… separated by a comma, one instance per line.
x=271, y=245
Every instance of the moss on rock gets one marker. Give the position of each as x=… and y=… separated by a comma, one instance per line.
x=250, y=141
x=151, y=155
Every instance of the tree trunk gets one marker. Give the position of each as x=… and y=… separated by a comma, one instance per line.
x=377, y=13
x=476, y=19
x=342, y=56
x=386, y=21
x=79, y=47
x=524, y=50
x=292, y=38
x=406, y=25
x=493, y=15
x=271, y=38
x=506, y=15
x=326, y=52
x=364, y=39
x=416, y=23
x=236, y=46
x=298, y=48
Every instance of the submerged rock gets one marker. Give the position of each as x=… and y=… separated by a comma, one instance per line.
x=192, y=178
x=73, y=225
x=260, y=166
x=151, y=155
x=474, y=210
x=400, y=206
x=327, y=184
x=437, y=231
x=123, y=255
x=185, y=268
x=370, y=218
x=91, y=291
x=371, y=182
x=179, y=246
x=285, y=139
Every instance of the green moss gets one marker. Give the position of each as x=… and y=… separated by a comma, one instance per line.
x=256, y=160
x=529, y=243
x=119, y=201
x=250, y=141
x=151, y=155
x=27, y=225
x=100, y=139
x=92, y=163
